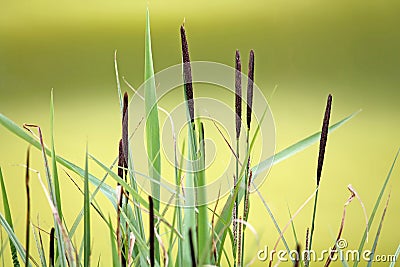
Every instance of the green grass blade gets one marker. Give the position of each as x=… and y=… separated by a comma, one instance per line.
x=152, y=125
x=378, y=232
x=107, y=190
x=120, y=98
x=377, y=202
x=396, y=255
x=189, y=220
x=224, y=221
x=114, y=251
x=137, y=197
x=296, y=148
x=53, y=160
x=202, y=224
x=86, y=217
x=39, y=246
x=226, y=214
x=28, y=211
x=13, y=240
x=178, y=210
x=8, y=218
x=295, y=235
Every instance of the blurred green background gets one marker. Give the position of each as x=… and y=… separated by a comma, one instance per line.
x=306, y=48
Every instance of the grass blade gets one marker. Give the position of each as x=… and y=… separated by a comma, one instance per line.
x=152, y=125
x=202, y=224
x=297, y=147
x=378, y=232
x=39, y=245
x=8, y=218
x=53, y=160
x=114, y=252
x=377, y=202
x=28, y=210
x=18, y=131
x=396, y=255
x=192, y=249
x=13, y=241
x=86, y=217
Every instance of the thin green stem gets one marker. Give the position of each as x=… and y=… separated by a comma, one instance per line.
x=245, y=202
x=313, y=224
x=236, y=207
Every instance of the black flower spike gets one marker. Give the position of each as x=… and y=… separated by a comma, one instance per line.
x=324, y=138
x=187, y=74
x=120, y=161
x=238, y=93
x=125, y=138
x=250, y=84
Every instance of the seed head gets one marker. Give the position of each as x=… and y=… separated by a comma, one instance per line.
x=250, y=84
x=238, y=93
x=324, y=138
x=187, y=74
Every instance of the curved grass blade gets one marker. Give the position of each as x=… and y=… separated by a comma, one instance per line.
x=8, y=218
x=18, y=131
x=226, y=213
x=13, y=240
x=297, y=147
x=378, y=232
x=39, y=246
x=396, y=255
x=377, y=202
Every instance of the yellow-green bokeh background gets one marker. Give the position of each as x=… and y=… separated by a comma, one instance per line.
x=307, y=48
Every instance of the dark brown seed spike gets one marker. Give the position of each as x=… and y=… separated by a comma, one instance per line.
x=307, y=252
x=187, y=74
x=120, y=161
x=250, y=84
x=324, y=138
x=125, y=138
x=238, y=93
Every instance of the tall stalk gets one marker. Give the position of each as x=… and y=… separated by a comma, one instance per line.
x=238, y=120
x=247, y=176
x=321, y=155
